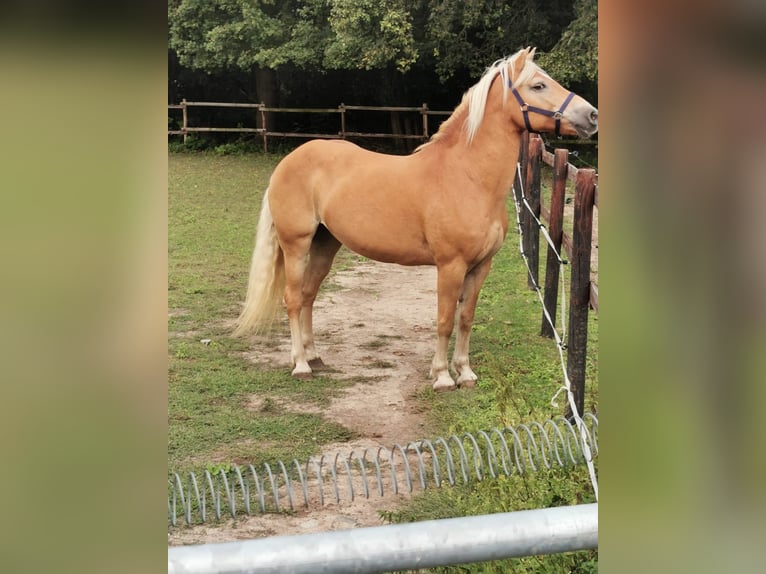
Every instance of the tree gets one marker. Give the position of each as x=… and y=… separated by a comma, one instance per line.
x=574, y=58
x=370, y=34
x=470, y=35
x=335, y=34
x=215, y=35
x=261, y=37
x=233, y=35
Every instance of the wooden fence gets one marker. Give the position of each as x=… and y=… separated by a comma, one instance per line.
x=583, y=291
x=263, y=129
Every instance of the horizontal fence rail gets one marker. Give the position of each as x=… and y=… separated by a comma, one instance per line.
x=425, y=544
x=420, y=464
x=263, y=129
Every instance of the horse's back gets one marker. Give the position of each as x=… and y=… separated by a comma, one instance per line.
x=371, y=202
x=327, y=169
x=332, y=156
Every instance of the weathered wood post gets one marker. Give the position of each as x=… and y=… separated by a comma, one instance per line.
x=185, y=118
x=424, y=112
x=532, y=193
x=519, y=181
x=262, y=111
x=556, y=232
x=579, y=292
x=342, y=108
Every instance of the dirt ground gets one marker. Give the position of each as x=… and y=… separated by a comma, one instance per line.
x=377, y=321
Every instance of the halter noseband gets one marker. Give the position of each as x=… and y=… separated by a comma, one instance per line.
x=526, y=108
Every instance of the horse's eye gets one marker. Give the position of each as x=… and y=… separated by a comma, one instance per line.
x=538, y=86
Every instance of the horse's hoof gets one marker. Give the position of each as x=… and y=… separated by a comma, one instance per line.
x=444, y=384
x=465, y=376
x=443, y=387
x=317, y=363
x=467, y=380
x=302, y=374
x=466, y=383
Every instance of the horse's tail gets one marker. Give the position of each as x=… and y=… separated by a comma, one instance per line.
x=265, y=289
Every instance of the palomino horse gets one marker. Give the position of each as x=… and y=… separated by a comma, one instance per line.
x=444, y=205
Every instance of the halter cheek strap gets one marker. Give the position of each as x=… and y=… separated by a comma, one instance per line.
x=526, y=108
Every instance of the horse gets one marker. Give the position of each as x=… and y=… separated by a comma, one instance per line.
x=442, y=205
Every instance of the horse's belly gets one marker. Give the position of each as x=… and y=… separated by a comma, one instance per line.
x=372, y=224
x=385, y=245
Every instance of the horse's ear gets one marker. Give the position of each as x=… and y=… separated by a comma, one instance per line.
x=520, y=62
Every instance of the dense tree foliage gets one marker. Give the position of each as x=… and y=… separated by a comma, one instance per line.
x=375, y=52
x=365, y=34
x=336, y=34
x=471, y=35
x=574, y=58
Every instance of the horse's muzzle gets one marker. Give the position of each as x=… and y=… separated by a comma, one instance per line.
x=586, y=122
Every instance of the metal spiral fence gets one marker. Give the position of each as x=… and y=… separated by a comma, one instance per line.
x=460, y=458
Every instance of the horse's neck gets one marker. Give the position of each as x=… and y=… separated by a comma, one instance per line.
x=491, y=156
x=496, y=152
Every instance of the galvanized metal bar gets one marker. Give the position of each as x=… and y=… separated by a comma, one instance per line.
x=401, y=546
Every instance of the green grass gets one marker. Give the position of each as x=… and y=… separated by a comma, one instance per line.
x=213, y=206
x=519, y=371
x=213, y=202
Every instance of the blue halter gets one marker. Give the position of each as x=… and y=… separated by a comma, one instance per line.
x=526, y=108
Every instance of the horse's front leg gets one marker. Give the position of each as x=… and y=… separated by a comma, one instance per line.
x=449, y=283
x=465, y=313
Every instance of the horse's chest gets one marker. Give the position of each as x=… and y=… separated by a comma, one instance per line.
x=493, y=240
x=484, y=241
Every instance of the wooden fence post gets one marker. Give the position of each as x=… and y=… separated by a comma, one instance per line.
x=579, y=292
x=522, y=160
x=185, y=118
x=424, y=112
x=263, y=126
x=556, y=232
x=532, y=194
x=342, y=108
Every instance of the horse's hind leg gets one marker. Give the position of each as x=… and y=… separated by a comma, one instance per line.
x=324, y=247
x=465, y=313
x=296, y=263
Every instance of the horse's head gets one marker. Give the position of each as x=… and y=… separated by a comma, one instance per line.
x=543, y=104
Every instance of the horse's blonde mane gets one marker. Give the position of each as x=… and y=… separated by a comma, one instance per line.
x=475, y=99
x=477, y=95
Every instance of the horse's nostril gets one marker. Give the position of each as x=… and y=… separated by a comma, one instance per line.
x=594, y=116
